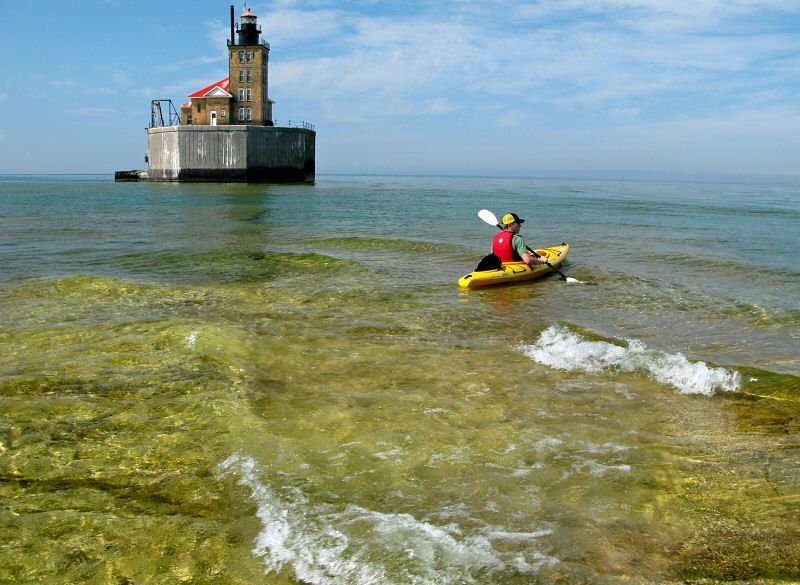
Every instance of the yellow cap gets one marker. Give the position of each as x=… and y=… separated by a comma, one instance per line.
x=510, y=218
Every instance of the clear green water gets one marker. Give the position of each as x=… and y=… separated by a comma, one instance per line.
x=282, y=384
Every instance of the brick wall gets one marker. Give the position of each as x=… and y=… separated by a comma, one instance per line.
x=248, y=68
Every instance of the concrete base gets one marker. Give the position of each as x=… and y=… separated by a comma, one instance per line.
x=130, y=176
x=253, y=154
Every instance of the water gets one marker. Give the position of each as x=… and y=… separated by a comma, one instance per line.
x=284, y=385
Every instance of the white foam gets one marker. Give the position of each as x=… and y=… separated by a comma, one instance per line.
x=315, y=555
x=596, y=469
x=436, y=410
x=605, y=448
x=191, y=339
x=549, y=444
x=562, y=349
x=526, y=471
x=505, y=535
x=325, y=544
x=395, y=454
x=623, y=389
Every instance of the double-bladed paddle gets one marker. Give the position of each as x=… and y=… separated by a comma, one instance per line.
x=491, y=219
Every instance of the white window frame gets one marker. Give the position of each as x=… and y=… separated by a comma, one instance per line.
x=249, y=114
x=241, y=94
x=241, y=114
x=249, y=94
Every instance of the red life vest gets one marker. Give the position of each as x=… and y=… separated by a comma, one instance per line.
x=501, y=247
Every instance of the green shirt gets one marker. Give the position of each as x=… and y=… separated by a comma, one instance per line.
x=518, y=245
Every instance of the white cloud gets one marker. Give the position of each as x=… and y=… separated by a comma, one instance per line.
x=118, y=79
x=201, y=61
x=628, y=114
x=67, y=83
x=655, y=15
x=283, y=27
x=591, y=84
x=511, y=119
x=438, y=106
x=581, y=60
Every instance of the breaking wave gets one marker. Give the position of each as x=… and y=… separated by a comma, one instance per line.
x=326, y=544
x=562, y=349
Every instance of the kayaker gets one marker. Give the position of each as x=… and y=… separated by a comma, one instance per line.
x=509, y=246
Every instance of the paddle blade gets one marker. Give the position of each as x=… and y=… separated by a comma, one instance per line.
x=488, y=217
x=576, y=281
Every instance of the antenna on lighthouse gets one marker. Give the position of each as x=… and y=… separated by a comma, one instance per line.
x=233, y=39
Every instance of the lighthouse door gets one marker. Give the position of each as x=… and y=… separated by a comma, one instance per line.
x=213, y=118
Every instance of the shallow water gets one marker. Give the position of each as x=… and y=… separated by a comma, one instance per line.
x=283, y=384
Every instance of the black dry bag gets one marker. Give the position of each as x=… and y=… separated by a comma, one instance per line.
x=490, y=262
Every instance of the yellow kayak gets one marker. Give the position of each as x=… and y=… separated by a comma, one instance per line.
x=516, y=271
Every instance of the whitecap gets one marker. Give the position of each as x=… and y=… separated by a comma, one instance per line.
x=562, y=349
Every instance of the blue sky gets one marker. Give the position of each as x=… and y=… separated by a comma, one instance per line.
x=493, y=87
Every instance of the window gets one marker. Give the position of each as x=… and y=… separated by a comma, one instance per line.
x=249, y=56
x=241, y=56
x=189, y=118
x=241, y=75
x=241, y=114
x=248, y=93
x=248, y=76
x=241, y=94
x=223, y=112
x=249, y=114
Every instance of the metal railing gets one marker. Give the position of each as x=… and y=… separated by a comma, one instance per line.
x=261, y=42
x=291, y=124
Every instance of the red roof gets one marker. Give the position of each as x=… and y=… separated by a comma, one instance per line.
x=223, y=84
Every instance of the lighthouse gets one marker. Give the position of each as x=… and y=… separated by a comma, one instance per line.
x=226, y=130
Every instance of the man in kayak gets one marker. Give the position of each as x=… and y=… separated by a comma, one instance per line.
x=509, y=246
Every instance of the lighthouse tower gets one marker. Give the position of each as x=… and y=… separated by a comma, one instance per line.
x=248, y=69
